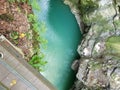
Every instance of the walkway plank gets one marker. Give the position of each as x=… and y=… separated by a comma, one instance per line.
x=16, y=73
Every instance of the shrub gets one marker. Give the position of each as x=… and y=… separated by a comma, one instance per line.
x=87, y=6
x=14, y=35
x=37, y=61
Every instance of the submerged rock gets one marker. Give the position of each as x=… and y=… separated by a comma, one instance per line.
x=99, y=65
x=75, y=65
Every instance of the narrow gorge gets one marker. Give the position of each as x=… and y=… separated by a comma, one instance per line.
x=64, y=44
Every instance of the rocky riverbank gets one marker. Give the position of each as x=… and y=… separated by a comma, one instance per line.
x=99, y=65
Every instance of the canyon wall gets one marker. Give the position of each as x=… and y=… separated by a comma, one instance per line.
x=99, y=65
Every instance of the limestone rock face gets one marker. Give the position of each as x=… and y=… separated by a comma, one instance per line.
x=99, y=65
x=75, y=11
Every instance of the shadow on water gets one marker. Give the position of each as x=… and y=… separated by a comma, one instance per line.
x=63, y=37
x=60, y=18
x=66, y=27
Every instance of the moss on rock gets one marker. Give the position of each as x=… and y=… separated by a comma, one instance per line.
x=113, y=45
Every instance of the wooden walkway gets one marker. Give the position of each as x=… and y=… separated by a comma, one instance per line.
x=16, y=73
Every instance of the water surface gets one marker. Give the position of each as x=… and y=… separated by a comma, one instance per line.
x=63, y=37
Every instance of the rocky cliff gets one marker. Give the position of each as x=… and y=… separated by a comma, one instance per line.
x=99, y=65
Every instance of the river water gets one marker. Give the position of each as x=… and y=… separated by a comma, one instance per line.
x=63, y=37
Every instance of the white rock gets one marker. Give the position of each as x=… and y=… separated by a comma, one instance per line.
x=86, y=52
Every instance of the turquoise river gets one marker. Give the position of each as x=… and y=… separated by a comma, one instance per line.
x=63, y=37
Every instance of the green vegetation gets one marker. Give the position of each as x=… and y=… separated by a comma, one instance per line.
x=33, y=3
x=28, y=35
x=98, y=18
x=7, y=17
x=14, y=35
x=37, y=62
x=38, y=27
x=117, y=23
x=87, y=6
x=103, y=24
x=95, y=65
x=13, y=1
x=113, y=45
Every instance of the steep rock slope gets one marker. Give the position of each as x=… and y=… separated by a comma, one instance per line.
x=99, y=65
